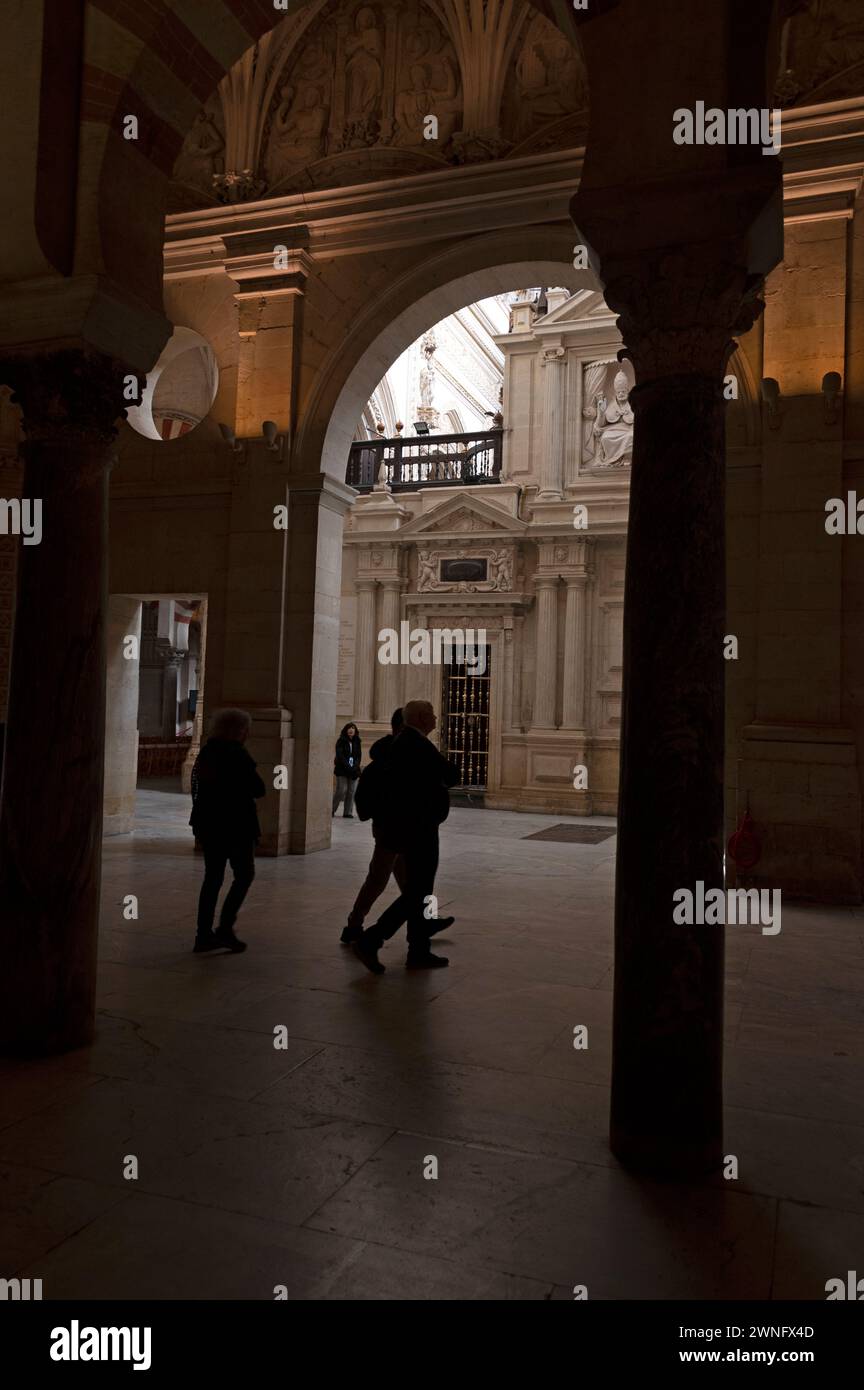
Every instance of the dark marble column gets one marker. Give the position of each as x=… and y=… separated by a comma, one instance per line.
x=51, y=811
x=679, y=307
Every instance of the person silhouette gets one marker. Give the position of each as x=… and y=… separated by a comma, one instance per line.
x=346, y=767
x=225, y=787
x=383, y=863
x=413, y=801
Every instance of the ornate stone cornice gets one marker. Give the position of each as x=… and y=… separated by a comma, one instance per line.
x=67, y=396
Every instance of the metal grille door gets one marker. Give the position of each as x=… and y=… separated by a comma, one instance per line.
x=465, y=721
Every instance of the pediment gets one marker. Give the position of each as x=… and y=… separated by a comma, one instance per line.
x=584, y=304
x=458, y=515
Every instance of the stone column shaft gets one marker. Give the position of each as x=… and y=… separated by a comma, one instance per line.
x=390, y=683
x=51, y=813
x=552, y=460
x=546, y=652
x=573, y=712
x=365, y=650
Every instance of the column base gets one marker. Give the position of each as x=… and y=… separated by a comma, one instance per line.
x=654, y=1156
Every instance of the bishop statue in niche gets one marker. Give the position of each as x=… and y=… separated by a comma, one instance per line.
x=607, y=440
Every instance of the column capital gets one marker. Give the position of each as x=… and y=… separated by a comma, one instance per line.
x=68, y=396
x=365, y=584
x=552, y=356
x=682, y=261
x=546, y=581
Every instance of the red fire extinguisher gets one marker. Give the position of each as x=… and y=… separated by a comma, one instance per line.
x=743, y=847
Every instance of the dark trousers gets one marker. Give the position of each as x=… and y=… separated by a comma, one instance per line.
x=383, y=863
x=420, y=858
x=240, y=854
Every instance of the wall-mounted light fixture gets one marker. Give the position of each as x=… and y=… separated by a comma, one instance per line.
x=832, y=385
x=275, y=442
x=770, y=391
x=230, y=438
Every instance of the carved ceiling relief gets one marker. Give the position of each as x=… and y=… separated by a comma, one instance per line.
x=545, y=103
x=822, y=53
x=352, y=97
x=365, y=79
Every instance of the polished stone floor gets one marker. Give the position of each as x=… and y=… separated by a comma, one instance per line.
x=306, y=1166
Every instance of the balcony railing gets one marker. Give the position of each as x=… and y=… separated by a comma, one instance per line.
x=436, y=460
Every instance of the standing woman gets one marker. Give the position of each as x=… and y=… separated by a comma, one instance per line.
x=347, y=769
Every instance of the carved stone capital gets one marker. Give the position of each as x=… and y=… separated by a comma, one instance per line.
x=679, y=311
x=67, y=397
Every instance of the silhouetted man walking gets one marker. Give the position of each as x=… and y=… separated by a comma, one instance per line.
x=383, y=863
x=413, y=802
x=225, y=787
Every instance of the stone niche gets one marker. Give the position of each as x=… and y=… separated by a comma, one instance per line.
x=607, y=416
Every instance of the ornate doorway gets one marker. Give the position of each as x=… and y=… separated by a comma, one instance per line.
x=465, y=706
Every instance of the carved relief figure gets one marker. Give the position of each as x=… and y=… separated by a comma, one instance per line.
x=433, y=88
x=200, y=157
x=823, y=46
x=613, y=426
x=427, y=570
x=363, y=80
x=501, y=565
x=299, y=119
x=550, y=80
x=299, y=124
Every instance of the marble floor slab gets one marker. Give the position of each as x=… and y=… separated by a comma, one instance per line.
x=283, y=1105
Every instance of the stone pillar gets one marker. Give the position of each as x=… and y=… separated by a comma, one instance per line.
x=546, y=654
x=313, y=595
x=121, y=714
x=573, y=710
x=390, y=684
x=365, y=650
x=678, y=306
x=173, y=660
x=51, y=814
x=552, y=461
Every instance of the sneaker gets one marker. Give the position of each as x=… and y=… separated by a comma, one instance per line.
x=350, y=935
x=424, y=960
x=205, y=942
x=349, y=815
x=367, y=952
x=228, y=941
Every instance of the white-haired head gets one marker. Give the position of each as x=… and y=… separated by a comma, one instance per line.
x=231, y=724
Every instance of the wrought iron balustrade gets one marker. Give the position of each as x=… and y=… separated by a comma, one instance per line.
x=435, y=460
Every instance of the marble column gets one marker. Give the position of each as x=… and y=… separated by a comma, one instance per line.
x=121, y=718
x=679, y=307
x=313, y=595
x=390, y=682
x=365, y=650
x=51, y=814
x=573, y=709
x=552, y=461
x=546, y=651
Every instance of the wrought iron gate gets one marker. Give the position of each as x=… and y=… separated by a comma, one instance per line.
x=465, y=708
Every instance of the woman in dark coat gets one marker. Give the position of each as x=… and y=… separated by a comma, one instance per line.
x=346, y=766
x=225, y=787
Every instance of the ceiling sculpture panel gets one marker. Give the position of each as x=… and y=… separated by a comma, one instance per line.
x=346, y=99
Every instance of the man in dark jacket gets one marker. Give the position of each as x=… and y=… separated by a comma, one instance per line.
x=225, y=787
x=346, y=766
x=417, y=777
x=383, y=863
